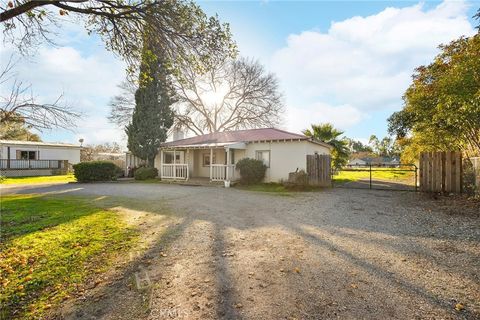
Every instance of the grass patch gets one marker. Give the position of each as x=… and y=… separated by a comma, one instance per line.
x=50, y=247
x=266, y=187
x=377, y=173
x=151, y=180
x=278, y=188
x=40, y=179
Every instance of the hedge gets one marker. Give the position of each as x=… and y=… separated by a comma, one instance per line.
x=96, y=171
x=144, y=173
x=251, y=170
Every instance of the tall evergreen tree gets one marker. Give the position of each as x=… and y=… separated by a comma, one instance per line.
x=153, y=115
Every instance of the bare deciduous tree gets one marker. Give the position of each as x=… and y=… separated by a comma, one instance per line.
x=18, y=105
x=123, y=104
x=182, y=30
x=92, y=152
x=231, y=95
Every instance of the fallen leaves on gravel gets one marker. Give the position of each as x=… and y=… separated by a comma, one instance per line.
x=459, y=307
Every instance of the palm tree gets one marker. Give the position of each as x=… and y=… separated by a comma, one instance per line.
x=327, y=133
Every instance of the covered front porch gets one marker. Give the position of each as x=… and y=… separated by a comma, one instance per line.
x=215, y=162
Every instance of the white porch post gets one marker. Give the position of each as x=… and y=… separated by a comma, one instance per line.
x=227, y=173
x=211, y=162
x=161, y=163
x=174, y=164
x=187, y=161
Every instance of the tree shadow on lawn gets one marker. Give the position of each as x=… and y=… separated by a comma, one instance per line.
x=25, y=214
x=126, y=292
x=51, y=246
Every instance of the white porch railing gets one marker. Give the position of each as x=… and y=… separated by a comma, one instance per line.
x=174, y=171
x=219, y=172
x=21, y=164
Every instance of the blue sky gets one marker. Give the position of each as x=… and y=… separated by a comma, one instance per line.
x=346, y=62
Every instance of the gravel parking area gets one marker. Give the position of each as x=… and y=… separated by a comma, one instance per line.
x=338, y=253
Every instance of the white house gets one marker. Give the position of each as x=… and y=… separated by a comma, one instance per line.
x=30, y=158
x=214, y=156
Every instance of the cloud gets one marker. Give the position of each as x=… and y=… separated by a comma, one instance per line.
x=363, y=64
x=64, y=69
x=97, y=129
x=299, y=119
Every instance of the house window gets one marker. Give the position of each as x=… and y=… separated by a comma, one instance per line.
x=264, y=156
x=206, y=159
x=28, y=155
x=168, y=157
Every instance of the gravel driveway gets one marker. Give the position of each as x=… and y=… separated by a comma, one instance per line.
x=339, y=253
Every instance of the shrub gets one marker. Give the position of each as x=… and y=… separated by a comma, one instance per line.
x=144, y=173
x=119, y=172
x=251, y=170
x=95, y=171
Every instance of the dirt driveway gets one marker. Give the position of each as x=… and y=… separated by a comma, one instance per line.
x=340, y=253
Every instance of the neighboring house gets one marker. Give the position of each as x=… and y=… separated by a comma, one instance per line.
x=394, y=161
x=214, y=155
x=131, y=162
x=29, y=158
x=357, y=162
x=378, y=161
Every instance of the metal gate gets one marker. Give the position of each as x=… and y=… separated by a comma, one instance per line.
x=402, y=177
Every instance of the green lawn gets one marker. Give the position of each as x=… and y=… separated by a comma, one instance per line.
x=50, y=246
x=39, y=179
x=266, y=187
x=278, y=188
x=377, y=173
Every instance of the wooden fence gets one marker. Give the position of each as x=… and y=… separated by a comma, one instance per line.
x=441, y=171
x=318, y=170
x=476, y=168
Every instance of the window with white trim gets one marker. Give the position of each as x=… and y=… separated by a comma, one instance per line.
x=206, y=159
x=27, y=155
x=264, y=156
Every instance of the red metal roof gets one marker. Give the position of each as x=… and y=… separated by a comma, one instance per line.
x=250, y=135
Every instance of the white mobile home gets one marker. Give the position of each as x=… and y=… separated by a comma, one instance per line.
x=30, y=158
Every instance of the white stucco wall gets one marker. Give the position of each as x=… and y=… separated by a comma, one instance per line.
x=285, y=157
x=44, y=152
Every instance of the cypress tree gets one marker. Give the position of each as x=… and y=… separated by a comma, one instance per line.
x=153, y=115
